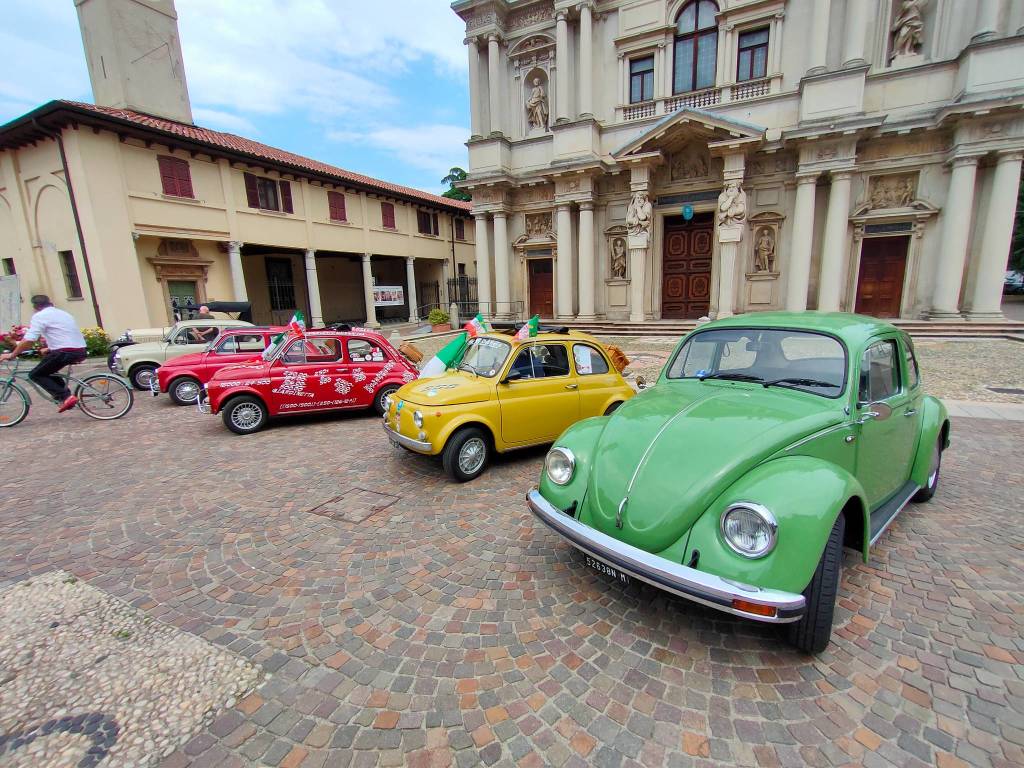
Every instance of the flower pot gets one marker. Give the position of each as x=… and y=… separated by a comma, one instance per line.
x=441, y=328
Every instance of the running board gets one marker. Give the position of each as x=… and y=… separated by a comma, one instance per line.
x=885, y=514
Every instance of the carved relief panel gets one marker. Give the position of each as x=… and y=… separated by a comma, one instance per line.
x=894, y=190
x=538, y=225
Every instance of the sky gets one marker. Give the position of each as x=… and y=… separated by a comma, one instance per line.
x=374, y=86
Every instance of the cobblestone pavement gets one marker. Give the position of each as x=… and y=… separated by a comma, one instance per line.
x=447, y=627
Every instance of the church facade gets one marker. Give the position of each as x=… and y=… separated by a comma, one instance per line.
x=676, y=159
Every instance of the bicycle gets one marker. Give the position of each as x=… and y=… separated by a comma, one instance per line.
x=102, y=396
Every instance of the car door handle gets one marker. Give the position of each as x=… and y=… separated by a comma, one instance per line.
x=910, y=412
x=571, y=386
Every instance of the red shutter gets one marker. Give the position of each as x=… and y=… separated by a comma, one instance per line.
x=286, y=197
x=184, y=177
x=167, y=177
x=460, y=229
x=387, y=215
x=252, y=191
x=433, y=220
x=336, y=204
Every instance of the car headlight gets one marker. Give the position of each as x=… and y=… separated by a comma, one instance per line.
x=560, y=465
x=417, y=419
x=749, y=529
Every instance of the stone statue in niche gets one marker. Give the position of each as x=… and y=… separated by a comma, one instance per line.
x=907, y=29
x=538, y=224
x=537, y=106
x=891, y=191
x=638, y=216
x=732, y=204
x=618, y=258
x=764, y=251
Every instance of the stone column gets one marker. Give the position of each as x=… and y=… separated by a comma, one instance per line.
x=316, y=319
x=502, y=294
x=956, y=228
x=237, y=273
x=371, y=310
x=410, y=280
x=483, y=265
x=987, y=294
x=855, y=24
x=494, y=82
x=563, y=263
x=818, y=44
x=586, y=60
x=833, y=253
x=587, y=259
x=986, y=21
x=474, y=87
x=562, y=62
x=799, y=267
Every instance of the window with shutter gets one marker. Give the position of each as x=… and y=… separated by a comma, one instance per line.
x=423, y=222
x=460, y=229
x=286, y=197
x=175, y=177
x=434, y=223
x=252, y=191
x=268, y=198
x=336, y=206
x=387, y=215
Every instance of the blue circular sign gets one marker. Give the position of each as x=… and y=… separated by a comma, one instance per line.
x=687, y=212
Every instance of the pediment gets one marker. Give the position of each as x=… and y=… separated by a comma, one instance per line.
x=686, y=125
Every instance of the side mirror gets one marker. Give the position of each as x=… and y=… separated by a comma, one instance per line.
x=641, y=383
x=511, y=376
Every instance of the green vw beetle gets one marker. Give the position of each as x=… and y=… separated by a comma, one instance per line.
x=769, y=443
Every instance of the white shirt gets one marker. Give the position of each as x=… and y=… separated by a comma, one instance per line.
x=58, y=328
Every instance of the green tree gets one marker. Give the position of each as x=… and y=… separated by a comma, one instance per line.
x=1017, y=245
x=456, y=175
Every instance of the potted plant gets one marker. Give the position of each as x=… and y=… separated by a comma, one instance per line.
x=439, y=320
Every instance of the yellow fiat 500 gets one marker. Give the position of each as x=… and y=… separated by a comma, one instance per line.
x=505, y=394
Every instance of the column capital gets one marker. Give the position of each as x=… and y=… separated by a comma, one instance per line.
x=473, y=40
x=563, y=206
x=410, y=259
x=842, y=174
x=501, y=213
x=586, y=205
x=480, y=215
x=494, y=37
x=966, y=159
x=562, y=15
x=234, y=245
x=1010, y=155
x=807, y=177
x=366, y=258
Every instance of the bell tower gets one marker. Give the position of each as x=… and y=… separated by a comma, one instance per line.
x=133, y=51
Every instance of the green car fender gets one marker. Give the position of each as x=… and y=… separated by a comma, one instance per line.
x=805, y=495
x=934, y=426
x=582, y=439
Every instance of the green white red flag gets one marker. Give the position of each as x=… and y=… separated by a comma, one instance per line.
x=297, y=323
x=446, y=357
x=476, y=326
x=530, y=328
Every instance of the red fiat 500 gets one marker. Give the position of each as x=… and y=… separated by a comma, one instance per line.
x=183, y=377
x=317, y=371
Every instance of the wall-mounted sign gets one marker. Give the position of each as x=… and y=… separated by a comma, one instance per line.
x=388, y=295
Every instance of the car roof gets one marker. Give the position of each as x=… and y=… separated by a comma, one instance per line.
x=568, y=334
x=215, y=321
x=851, y=328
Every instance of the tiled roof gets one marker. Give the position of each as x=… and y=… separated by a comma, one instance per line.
x=239, y=144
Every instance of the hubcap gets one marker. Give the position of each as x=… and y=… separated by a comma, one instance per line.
x=472, y=455
x=187, y=391
x=145, y=377
x=246, y=416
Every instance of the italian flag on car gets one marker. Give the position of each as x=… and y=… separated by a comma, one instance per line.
x=446, y=357
x=476, y=326
x=297, y=323
x=529, y=329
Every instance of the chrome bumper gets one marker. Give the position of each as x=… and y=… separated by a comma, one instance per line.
x=203, y=405
x=400, y=439
x=154, y=386
x=704, y=588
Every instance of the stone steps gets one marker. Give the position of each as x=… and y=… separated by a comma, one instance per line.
x=917, y=328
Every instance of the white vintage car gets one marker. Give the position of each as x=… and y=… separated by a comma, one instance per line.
x=140, y=358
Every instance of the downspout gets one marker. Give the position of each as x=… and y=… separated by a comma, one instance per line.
x=78, y=222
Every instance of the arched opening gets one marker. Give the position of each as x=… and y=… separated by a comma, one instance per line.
x=695, y=52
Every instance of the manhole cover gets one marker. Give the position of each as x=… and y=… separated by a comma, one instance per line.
x=355, y=505
x=1006, y=390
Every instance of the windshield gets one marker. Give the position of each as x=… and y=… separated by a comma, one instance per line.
x=812, y=362
x=275, y=344
x=484, y=356
x=171, y=332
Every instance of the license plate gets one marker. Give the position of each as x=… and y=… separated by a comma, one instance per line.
x=607, y=570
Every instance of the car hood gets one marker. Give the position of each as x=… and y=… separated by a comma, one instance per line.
x=672, y=450
x=193, y=358
x=146, y=348
x=453, y=388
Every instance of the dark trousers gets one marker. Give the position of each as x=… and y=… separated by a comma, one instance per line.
x=52, y=362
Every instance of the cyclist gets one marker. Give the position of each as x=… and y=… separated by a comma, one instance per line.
x=65, y=346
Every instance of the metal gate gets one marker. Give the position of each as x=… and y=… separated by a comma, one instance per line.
x=462, y=290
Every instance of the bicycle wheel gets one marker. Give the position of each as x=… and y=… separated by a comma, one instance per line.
x=105, y=397
x=13, y=404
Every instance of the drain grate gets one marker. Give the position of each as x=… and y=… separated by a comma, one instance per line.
x=355, y=505
x=1005, y=390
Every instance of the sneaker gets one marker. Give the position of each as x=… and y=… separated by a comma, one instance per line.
x=68, y=404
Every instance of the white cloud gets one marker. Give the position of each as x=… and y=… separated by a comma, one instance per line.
x=224, y=121
x=433, y=148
